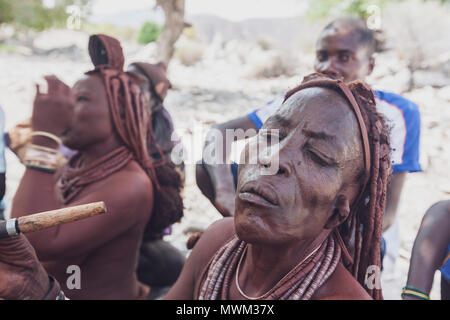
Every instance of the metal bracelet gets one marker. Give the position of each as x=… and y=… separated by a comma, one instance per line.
x=12, y=227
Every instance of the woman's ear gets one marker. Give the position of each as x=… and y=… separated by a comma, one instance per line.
x=340, y=212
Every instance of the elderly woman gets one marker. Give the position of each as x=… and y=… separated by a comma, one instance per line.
x=310, y=231
x=313, y=229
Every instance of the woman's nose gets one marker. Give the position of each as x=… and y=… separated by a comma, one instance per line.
x=275, y=164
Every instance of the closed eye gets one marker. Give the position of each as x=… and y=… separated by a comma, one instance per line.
x=317, y=159
x=320, y=158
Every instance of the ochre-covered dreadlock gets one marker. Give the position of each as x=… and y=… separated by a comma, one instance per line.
x=367, y=219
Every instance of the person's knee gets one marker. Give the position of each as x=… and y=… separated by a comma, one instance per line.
x=173, y=264
x=160, y=263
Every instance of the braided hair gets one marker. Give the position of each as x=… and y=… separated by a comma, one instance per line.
x=133, y=123
x=365, y=225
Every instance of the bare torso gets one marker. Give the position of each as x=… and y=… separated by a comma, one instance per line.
x=340, y=285
x=105, y=247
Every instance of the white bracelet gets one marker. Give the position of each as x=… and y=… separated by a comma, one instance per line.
x=48, y=135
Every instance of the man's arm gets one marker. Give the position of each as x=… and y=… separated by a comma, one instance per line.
x=394, y=191
x=429, y=247
x=220, y=174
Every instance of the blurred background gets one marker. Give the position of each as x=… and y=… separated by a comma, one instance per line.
x=227, y=58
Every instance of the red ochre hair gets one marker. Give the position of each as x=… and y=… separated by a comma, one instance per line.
x=132, y=122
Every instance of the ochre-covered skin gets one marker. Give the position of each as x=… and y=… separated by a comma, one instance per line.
x=317, y=181
x=105, y=247
x=105, y=118
x=340, y=286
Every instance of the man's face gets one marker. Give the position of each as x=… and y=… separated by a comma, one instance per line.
x=339, y=54
x=320, y=158
x=92, y=122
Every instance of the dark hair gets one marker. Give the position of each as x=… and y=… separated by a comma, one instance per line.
x=359, y=28
x=168, y=206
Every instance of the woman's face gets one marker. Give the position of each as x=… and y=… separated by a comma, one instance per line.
x=92, y=122
x=320, y=160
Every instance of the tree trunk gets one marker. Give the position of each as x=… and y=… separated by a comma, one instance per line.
x=173, y=26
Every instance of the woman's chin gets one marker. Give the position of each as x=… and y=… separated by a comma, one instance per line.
x=69, y=142
x=251, y=229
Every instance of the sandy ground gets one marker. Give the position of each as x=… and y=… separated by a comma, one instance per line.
x=217, y=90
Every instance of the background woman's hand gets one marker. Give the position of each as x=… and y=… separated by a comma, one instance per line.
x=52, y=112
x=22, y=277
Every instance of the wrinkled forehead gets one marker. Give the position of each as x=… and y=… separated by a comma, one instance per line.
x=320, y=107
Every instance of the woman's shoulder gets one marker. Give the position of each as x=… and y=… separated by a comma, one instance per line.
x=188, y=283
x=214, y=237
x=130, y=186
x=217, y=235
x=341, y=285
x=130, y=175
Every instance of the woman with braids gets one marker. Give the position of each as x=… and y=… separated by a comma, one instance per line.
x=313, y=229
x=105, y=119
x=159, y=263
x=310, y=231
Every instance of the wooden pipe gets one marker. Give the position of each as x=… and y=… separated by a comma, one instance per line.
x=48, y=219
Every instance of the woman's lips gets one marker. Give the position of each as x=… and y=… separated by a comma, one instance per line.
x=258, y=194
x=255, y=199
